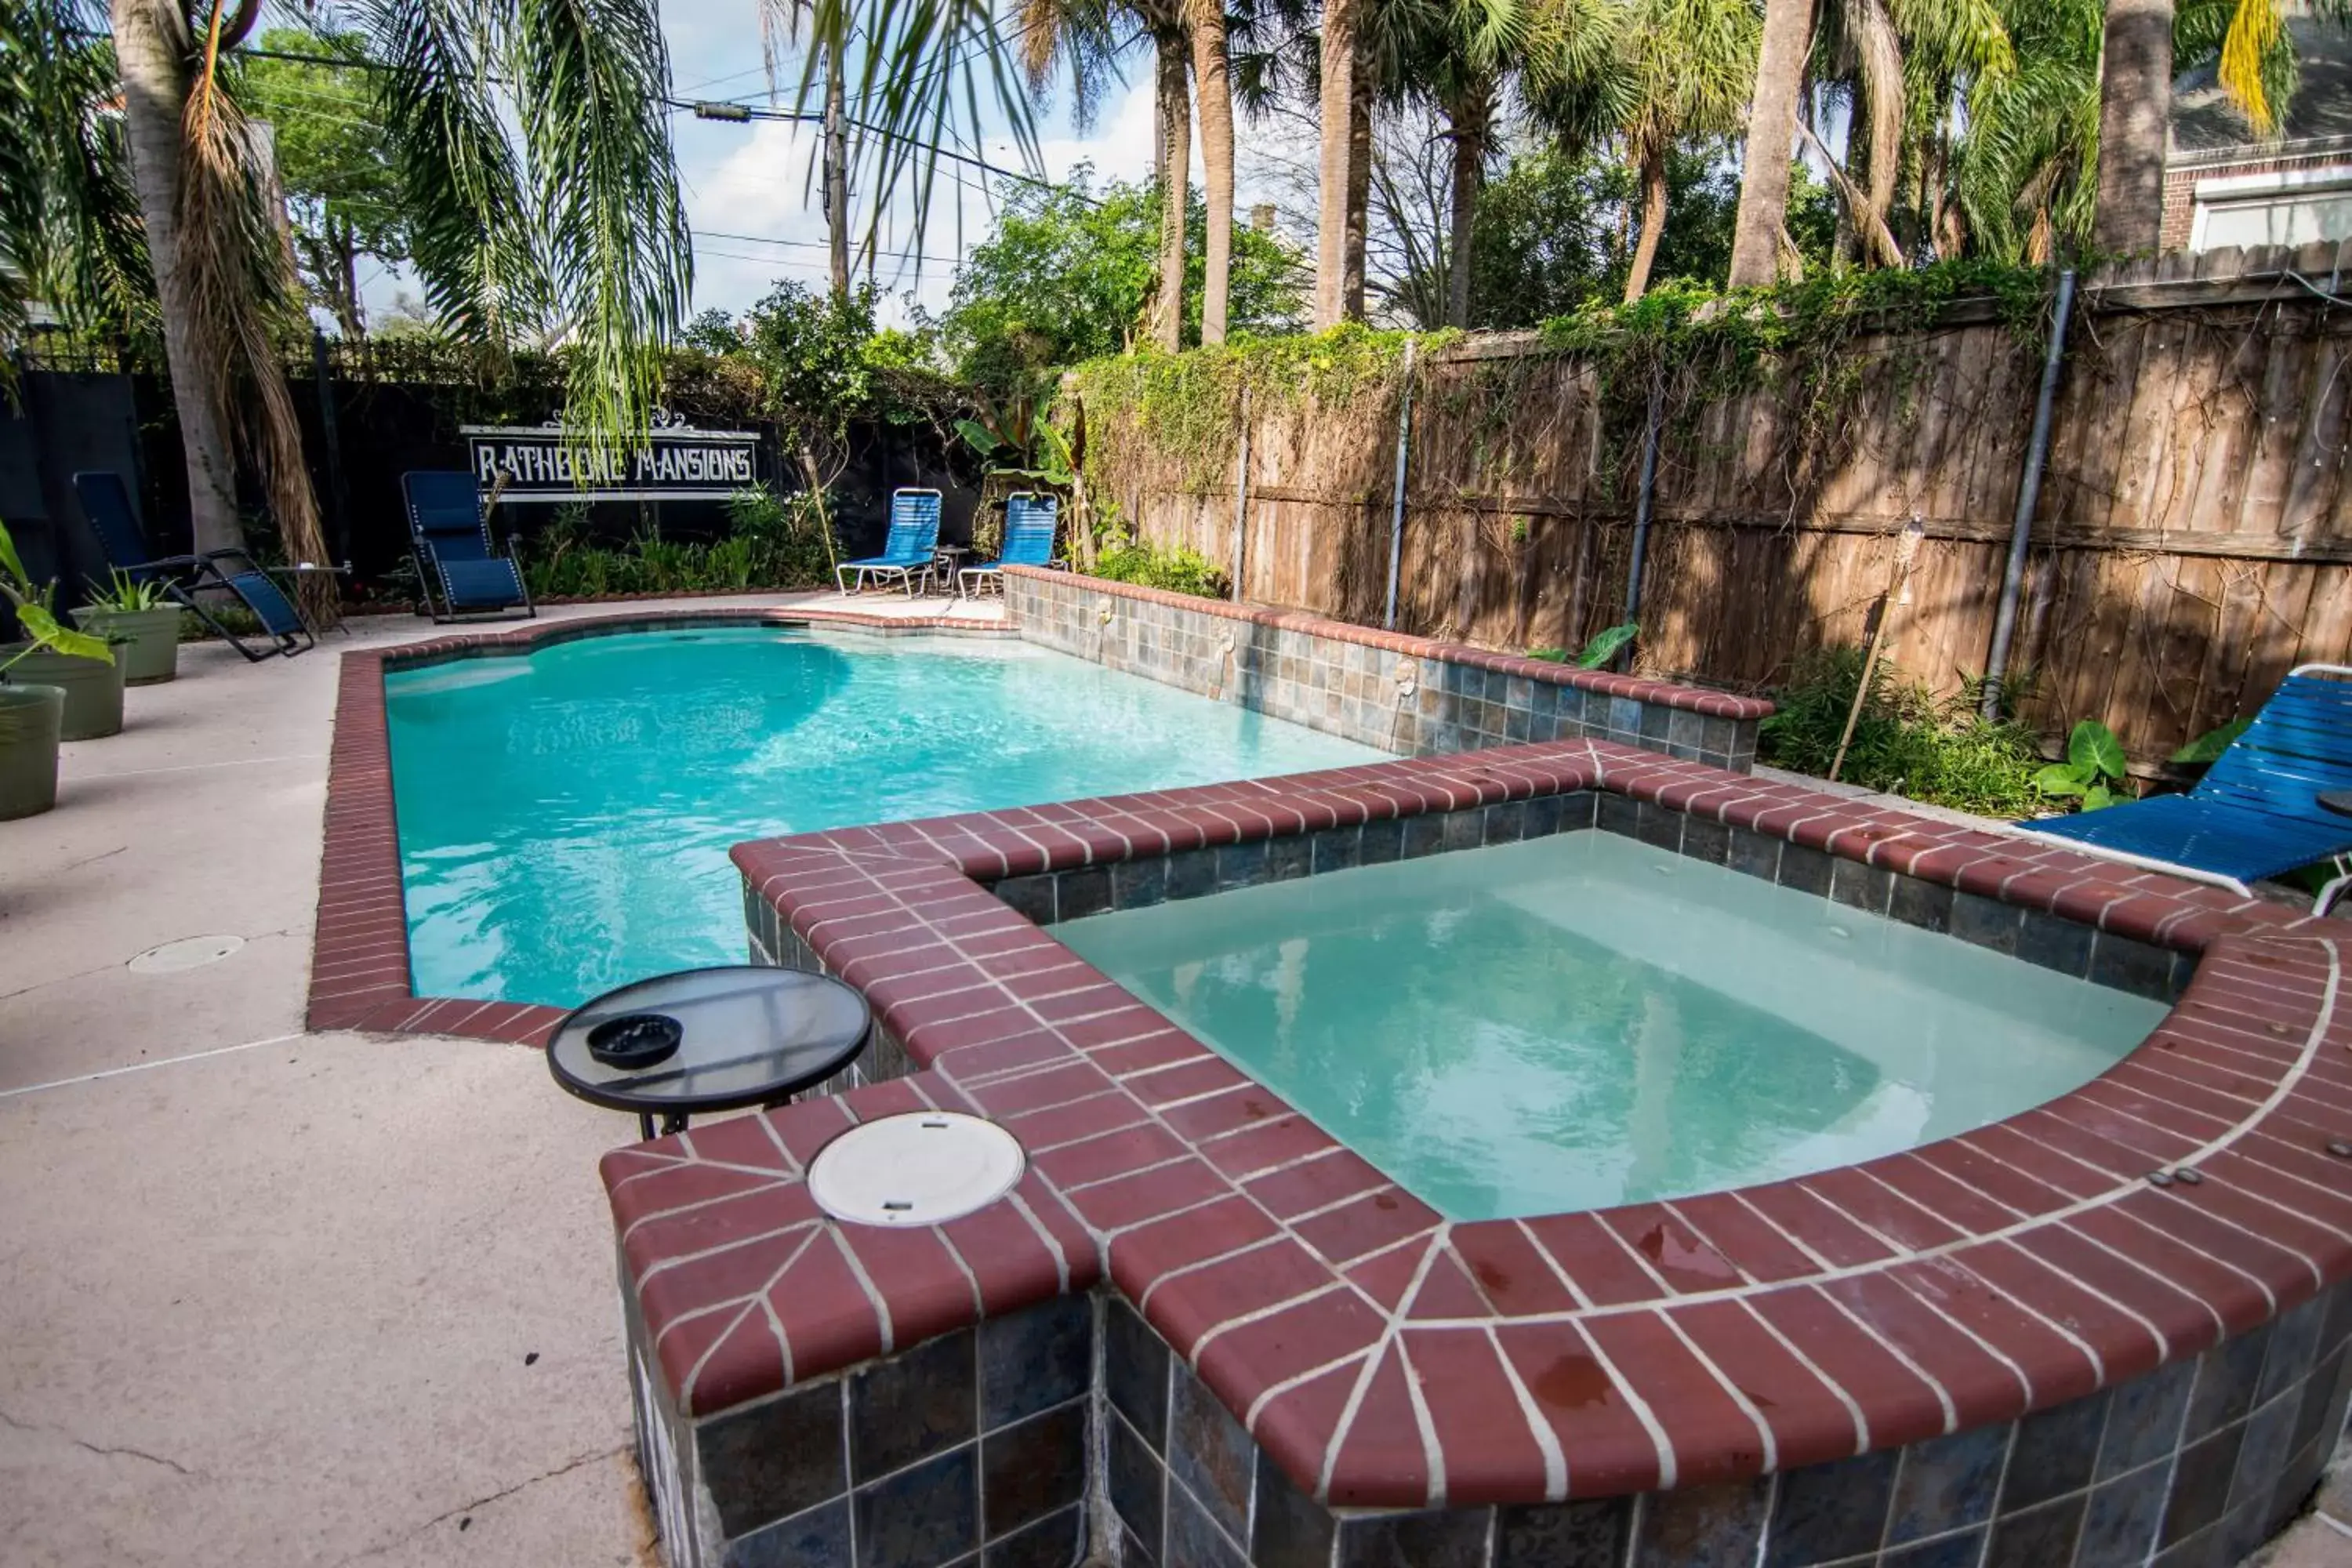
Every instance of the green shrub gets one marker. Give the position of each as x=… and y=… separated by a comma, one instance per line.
x=778, y=542
x=1174, y=568
x=1906, y=742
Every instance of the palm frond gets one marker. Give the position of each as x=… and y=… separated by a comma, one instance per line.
x=236, y=261
x=924, y=68
x=590, y=80
x=70, y=228
x=472, y=240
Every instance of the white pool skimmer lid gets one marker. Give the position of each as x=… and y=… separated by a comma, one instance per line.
x=923, y=1168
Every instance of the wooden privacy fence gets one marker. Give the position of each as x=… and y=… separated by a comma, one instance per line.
x=2192, y=540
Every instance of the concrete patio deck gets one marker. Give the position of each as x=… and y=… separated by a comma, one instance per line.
x=286, y=1297
x=276, y=1297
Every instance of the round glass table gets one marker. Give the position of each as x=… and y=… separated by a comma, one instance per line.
x=709, y=1040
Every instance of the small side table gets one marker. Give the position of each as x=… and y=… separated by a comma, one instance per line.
x=946, y=559
x=709, y=1040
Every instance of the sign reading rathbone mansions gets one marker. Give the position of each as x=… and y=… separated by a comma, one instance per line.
x=672, y=461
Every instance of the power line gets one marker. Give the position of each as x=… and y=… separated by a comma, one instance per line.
x=826, y=244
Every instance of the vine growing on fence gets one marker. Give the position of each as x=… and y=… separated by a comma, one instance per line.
x=1820, y=347
x=1186, y=407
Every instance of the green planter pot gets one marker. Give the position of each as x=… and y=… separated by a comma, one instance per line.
x=93, y=688
x=28, y=749
x=147, y=645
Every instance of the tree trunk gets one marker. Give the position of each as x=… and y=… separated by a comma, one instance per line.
x=351, y=315
x=1334, y=167
x=1359, y=192
x=1654, y=219
x=1771, y=137
x=1216, y=100
x=2135, y=110
x=836, y=174
x=1175, y=113
x=150, y=46
x=1469, y=123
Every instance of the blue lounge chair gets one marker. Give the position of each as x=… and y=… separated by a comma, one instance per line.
x=2256, y=812
x=106, y=501
x=452, y=547
x=910, y=549
x=1029, y=520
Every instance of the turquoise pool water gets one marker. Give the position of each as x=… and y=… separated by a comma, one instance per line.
x=1584, y=1020
x=565, y=815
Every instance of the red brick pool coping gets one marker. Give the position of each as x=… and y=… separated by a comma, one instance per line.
x=1387, y=1358
x=358, y=949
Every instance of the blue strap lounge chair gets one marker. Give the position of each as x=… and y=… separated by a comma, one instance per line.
x=1029, y=520
x=106, y=501
x=451, y=539
x=908, y=550
x=2256, y=812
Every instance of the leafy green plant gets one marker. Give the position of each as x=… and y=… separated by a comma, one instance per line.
x=1606, y=645
x=1906, y=741
x=128, y=593
x=2207, y=748
x=1174, y=568
x=34, y=615
x=2093, y=767
x=1018, y=441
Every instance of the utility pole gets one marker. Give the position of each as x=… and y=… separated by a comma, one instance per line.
x=837, y=173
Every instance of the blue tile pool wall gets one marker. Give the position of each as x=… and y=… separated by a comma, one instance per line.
x=970, y=1450
x=1402, y=702
x=2050, y=941
x=2190, y=1467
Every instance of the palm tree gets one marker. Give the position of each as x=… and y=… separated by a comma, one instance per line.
x=1903, y=68
x=1083, y=38
x=571, y=229
x=2145, y=44
x=1786, y=38
x=1206, y=22
x=1672, y=70
x=1336, y=164
x=2025, y=173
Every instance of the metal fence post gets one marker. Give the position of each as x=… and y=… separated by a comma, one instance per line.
x=2029, y=493
x=1396, y=507
x=1240, y=502
x=339, y=529
x=1643, y=504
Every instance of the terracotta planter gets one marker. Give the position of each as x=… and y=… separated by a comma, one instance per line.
x=93, y=688
x=149, y=644
x=28, y=749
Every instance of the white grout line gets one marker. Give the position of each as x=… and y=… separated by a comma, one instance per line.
x=143, y=1067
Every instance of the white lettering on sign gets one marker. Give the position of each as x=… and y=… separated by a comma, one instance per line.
x=672, y=463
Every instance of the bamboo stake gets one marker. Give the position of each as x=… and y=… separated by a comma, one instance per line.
x=1907, y=551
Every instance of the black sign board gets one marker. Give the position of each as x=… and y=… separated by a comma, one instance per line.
x=672, y=462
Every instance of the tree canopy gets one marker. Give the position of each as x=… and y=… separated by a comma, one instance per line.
x=1068, y=274
x=334, y=162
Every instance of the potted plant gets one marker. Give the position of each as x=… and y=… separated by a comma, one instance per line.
x=142, y=624
x=32, y=716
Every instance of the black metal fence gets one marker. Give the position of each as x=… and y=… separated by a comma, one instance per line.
x=370, y=412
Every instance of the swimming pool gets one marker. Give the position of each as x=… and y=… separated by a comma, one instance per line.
x=564, y=815
x=1583, y=1020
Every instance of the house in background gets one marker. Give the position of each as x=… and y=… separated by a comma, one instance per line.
x=2224, y=186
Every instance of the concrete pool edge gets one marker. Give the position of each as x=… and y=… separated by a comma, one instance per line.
x=1939, y=1312
x=360, y=975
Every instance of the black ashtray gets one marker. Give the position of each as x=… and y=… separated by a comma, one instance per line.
x=634, y=1040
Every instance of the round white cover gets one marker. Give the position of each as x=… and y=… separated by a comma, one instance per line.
x=922, y=1168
